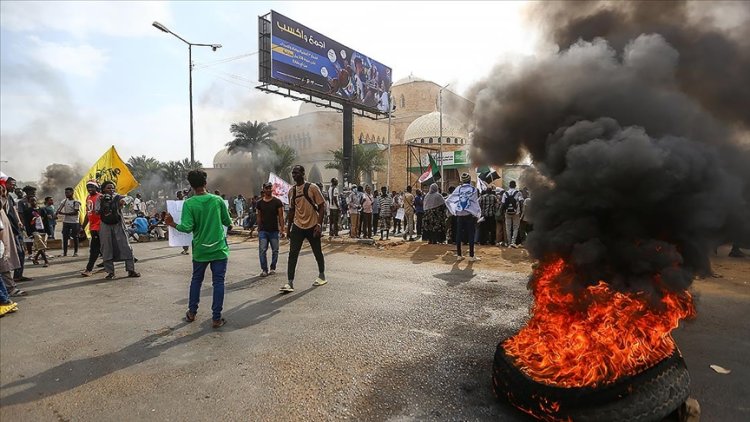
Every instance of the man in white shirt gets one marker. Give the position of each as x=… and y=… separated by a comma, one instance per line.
x=137, y=204
x=333, y=208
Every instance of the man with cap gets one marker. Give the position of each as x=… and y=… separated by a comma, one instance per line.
x=464, y=204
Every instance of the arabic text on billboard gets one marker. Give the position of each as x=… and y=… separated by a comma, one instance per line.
x=303, y=57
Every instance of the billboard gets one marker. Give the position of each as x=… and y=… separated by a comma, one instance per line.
x=310, y=60
x=450, y=158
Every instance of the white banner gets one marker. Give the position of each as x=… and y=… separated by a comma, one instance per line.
x=178, y=238
x=280, y=188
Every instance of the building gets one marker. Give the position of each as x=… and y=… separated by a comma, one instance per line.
x=414, y=132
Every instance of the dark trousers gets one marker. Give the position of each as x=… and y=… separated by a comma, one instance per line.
x=420, y=216
x=366, y=219
x=95, y=248
x=333, y=218
x=296, y=237
x=375, y=218
x=218, y=272
x=18, y=273
x=465, y=227
x=70, y=230
x=487, y=231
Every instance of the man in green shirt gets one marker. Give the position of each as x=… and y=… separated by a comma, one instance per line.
x=205, y=216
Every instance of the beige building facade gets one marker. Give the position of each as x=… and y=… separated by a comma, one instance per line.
x=414, y=131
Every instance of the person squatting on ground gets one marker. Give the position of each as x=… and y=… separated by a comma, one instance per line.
x=205, y=216
x=112, y=234
x=270, y=213
x=333, y=208
x=93, y=221
x=464, y=204
x=70, y=209
x=511, y=203
x=9, y=257
x=305, y=219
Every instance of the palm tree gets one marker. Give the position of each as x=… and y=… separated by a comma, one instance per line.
x=143, y=167
x=176, y=172
x=366, y=159
x=285, y=158
x=249, y=136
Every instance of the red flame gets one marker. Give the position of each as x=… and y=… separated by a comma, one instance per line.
x=615, y=334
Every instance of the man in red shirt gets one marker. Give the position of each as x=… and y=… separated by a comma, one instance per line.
x=95, y=220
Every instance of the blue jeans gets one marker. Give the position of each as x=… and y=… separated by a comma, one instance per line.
x=218, y=271
x=4, y=298
x=264, y=238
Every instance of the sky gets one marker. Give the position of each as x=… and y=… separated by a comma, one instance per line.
x=77, y=77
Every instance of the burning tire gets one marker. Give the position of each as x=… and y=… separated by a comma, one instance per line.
x=650, y=395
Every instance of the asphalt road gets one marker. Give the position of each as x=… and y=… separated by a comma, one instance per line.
x=386, y=339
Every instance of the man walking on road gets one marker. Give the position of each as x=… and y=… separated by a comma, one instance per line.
x=409, y=211
x=270, y=224
x=305, y=219
x=205, y=216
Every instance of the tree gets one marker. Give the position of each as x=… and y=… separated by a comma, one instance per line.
x=285, y=158
x=366, y=159
x=249, y=136
x=143, y=167
x=176, y=172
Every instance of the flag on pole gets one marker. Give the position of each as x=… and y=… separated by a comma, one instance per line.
x=3, y=178
x=487, y=173
x=280, y=188
x=432, y=174
x=481, y=185
x=108, y=167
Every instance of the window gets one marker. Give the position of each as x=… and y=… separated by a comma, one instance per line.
x=403, y=101
x=430, y=140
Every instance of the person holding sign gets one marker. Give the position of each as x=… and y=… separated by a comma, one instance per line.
x=205, y=216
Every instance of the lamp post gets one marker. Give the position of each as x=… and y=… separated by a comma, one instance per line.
x=440, y=139
x=190, y=45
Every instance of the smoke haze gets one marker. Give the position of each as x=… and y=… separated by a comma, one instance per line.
x=633, y=128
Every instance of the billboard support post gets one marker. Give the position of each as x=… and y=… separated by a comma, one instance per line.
x=348, y=142
x=390, y=111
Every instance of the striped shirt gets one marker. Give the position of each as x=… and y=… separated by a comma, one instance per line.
x=385, y=206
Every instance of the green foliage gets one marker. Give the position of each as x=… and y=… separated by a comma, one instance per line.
x=366, y=159
x=250, y=136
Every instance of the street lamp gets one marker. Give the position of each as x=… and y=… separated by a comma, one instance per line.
x=190, y=45
x=440, y=140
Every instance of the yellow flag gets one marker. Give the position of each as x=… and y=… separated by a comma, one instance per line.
x=109, y=167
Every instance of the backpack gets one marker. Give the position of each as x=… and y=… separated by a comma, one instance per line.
x=305, y=191
x=108, y=210
x=511, y=204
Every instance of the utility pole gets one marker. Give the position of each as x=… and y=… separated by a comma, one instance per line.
x=440, y=139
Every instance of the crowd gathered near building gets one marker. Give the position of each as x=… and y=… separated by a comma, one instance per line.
x=463, y=215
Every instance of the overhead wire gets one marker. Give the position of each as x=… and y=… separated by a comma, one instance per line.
x=224, y=60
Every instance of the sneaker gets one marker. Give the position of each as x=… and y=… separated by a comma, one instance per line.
x=272, y=272
x=319, y=282
x=474, y=259
x=263, y=274
x=85, y=273
x=287, y=288
x=75, y=253
x=459, y=258
x=133, y=274
x=110, y=276
x=218, y=323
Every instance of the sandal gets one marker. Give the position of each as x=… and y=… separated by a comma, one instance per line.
x=17, y=292
x=189, y=316
x=218, y=323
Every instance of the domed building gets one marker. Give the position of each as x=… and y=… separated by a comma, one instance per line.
x=315, y=131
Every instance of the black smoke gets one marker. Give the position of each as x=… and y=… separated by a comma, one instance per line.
x=640, y=172
x=57, y=177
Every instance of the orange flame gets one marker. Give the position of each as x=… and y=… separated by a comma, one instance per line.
x=615, y=334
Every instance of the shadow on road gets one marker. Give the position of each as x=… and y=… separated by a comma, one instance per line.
x=456, y=275
x=73, y=374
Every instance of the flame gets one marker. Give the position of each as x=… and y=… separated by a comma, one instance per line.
x=613, y=335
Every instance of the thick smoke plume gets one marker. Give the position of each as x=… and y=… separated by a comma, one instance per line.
x=57, y=177
x=640, y=171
